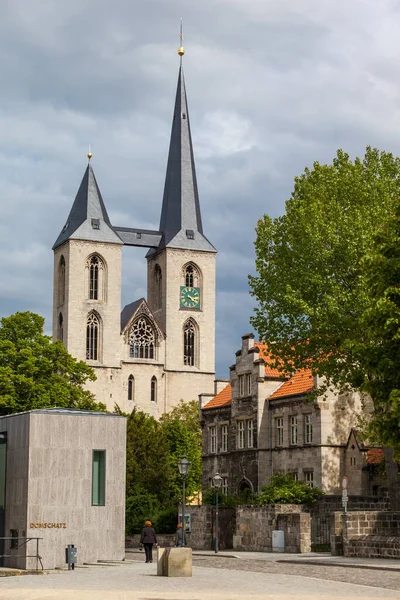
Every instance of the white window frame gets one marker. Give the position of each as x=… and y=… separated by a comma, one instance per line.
x=241, y=385
x=308, y=429
x=294, y=431
x=224, y=438
x=279, y=431
x=240, y=435
x=309, y=478
x=213, y=439
x=250, y=433
x=295, y=475
x=224, y=487
x=248, y=384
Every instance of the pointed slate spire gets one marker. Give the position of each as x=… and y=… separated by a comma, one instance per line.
x=88, y=219
x=180, y=223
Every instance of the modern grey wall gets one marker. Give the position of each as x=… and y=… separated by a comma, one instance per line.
x=49, y=482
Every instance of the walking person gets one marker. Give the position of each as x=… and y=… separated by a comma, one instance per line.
x=148, y=538
x=180, y=538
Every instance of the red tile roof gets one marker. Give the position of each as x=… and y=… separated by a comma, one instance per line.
x=300, y=383
x=266, y=355
x=224, y=398
x=375, y=456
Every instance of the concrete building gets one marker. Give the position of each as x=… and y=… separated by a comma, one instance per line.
x=156, y=351
x=62, y=479
x=263, y=423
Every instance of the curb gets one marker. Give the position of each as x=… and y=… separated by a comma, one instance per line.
x=327, y=563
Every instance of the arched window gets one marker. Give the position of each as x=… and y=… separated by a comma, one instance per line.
x=189, y=343
x=60, y=328
x=158, y=286
x=61, y=281
x=153, y=389
x=93, y=337
x=96, y=278
x=131, y=387
x=142, y=339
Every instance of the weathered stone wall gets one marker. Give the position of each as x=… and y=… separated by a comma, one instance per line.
x=254, y=526
x=371, y=534
x=165, y=540
x=297, y=528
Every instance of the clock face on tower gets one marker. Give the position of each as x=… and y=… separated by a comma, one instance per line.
x=190, y=297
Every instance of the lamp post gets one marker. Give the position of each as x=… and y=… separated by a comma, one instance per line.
x=183, y=466
x=217, y=481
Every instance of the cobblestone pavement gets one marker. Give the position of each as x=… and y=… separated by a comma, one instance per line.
x=381, y=579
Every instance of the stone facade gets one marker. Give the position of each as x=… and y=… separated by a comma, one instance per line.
x=269, y=425
x=49, y=485
x=369, y=534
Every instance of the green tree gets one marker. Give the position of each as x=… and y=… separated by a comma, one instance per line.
x=283, y=489
x=313, y=289
x=37, y=373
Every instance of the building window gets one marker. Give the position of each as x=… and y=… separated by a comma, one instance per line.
x=248, y=384
x=92, y=337
x=308, y=432
x=95, y=264
x=153, y=394
x=224, y=486
x=224, y=438
x=191, y=275
x=60, y=328
x=279, y=431
x=295, y=475
x=250, y=433
x=189, y=342
x=131, y=387
x=213, y=440
x=240, y=435
x=241, y=385
x=309, y=478
x=61, y=281
x=158, y=287
x=99, y=478
x=293, y=430
x=142, y=340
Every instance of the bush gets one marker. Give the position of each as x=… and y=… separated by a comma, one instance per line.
x=283, y=489
x=209, y=497
x=139, y=508
x=166, y=520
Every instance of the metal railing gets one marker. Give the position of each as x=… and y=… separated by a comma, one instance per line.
x=16, y=544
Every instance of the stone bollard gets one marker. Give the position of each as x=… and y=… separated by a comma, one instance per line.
x=174, y=562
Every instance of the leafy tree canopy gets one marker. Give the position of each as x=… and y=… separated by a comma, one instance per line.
x=37, y=373
x=283, y=489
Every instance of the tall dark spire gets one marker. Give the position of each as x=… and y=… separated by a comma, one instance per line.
x=88, y=219
x=180, y=223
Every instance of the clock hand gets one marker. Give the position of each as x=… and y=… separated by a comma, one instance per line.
x=193, y=299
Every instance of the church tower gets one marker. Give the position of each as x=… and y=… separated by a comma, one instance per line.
x=181, y=270
x=87, y=280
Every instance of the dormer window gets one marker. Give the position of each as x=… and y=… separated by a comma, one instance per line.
x=190, y=234
x=95, y=223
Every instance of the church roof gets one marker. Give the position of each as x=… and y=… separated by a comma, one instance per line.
x=300, y=383
x=88, y=218
x=128, y=311
x=180, y=223
x=224, y=398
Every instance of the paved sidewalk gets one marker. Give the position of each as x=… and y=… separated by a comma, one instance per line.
x=138, y=581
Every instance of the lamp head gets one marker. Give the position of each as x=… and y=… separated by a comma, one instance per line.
x=184, y=466
x=217, y=480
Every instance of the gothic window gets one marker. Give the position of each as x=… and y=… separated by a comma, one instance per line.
x=153, y=389
x=131, y=387
x=93, y=337
x=60, y=328
x=142, y=340
x=96, y=277
x=61, y=281
x=189, y=343
x=191, y=275
x=158, y=286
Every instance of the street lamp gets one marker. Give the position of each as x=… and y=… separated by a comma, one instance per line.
x=183, y=466
x=217, y=481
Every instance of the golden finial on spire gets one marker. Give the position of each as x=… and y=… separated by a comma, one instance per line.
x=89, y=154
x=181, y=49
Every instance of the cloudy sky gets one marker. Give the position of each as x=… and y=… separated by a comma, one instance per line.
x=272, y=85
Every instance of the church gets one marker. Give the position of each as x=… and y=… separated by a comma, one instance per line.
x=155, y=351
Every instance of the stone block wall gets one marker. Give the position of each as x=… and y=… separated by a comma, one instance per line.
x=371, y=534
x=254, y=526
x=297, y=528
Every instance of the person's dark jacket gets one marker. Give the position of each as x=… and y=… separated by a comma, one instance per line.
x=179, y=538
x=148, y=536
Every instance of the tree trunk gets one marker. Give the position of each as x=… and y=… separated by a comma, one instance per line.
x=393, y=479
